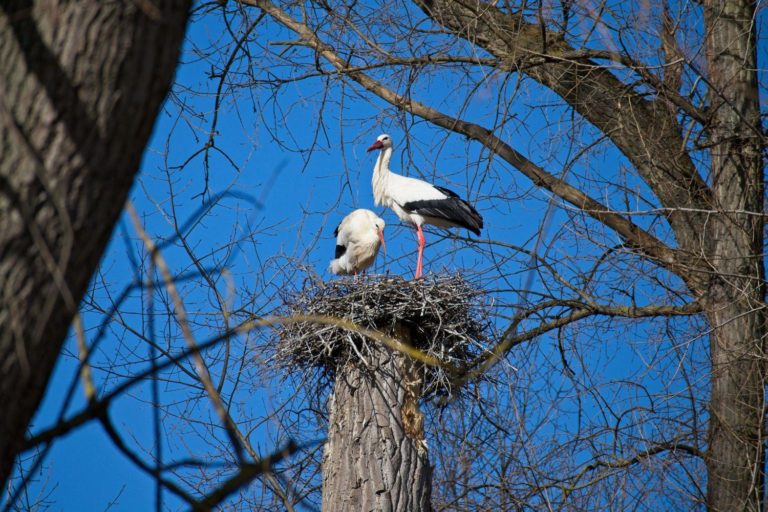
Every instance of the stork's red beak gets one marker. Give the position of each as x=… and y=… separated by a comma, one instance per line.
x=375, y=145
x=383, y=243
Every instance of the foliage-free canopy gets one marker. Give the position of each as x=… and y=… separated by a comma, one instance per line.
x=616, y=152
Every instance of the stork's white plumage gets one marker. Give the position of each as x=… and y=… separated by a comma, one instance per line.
x=358, y=238
x=418, y=202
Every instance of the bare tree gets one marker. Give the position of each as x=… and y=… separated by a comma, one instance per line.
x=682, y=109
x=623, y=141
x=387, y=344
x=81, y=85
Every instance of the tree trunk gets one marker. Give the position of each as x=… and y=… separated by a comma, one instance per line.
x=734, y=238
x=375, y=458
x=82, y=82
x=735, y=455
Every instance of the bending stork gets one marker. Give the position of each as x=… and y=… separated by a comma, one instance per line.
x=418, y=202
x=358, y=238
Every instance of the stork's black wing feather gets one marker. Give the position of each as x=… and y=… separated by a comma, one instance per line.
x=452, y=209
x=448, y=192
x=340, y=250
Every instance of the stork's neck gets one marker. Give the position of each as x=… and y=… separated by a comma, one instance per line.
x=380, y=178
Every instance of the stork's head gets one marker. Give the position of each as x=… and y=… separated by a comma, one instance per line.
x=382, y=141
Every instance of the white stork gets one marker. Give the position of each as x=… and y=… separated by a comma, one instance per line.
x=358, y=238
x=418, y=202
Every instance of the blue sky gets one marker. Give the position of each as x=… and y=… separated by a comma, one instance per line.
x=277, y=206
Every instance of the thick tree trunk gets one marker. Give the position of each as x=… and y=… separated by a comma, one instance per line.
x=375, y=458
x=735, y=455
x=82, y=82
x=734, y=247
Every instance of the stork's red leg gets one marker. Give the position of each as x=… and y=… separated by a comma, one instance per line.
x=418, y=263
x=422, y=243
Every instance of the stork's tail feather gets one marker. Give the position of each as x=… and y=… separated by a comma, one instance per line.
x=336, y=267
x=474, y=221
x=342, y=267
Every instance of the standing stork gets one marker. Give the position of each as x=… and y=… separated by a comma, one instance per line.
x=418, y=202
x=358, y=238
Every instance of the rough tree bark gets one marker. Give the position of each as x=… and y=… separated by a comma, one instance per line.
x=375, y=457
x=82, y=82
x=735, y=295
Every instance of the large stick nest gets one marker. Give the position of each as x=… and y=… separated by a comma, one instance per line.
x=445, y=315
